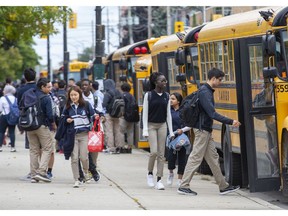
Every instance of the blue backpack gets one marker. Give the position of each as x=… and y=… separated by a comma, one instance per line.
x=13, y=116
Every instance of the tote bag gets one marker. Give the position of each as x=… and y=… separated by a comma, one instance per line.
x=96, y=138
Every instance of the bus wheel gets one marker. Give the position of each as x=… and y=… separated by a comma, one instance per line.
x=232, y=161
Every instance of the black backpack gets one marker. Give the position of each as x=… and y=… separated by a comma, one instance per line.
x=190, y=109
x=131, y=109
x=118, y=105
x=31, y=116
x=62, y=101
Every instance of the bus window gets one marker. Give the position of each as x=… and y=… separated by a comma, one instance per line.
x=172, y=72
x=192, y=73
x=203, y=62
x=256, y=63
x=218, y=57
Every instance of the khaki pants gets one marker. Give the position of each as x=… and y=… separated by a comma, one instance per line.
x=40, y=140
x=157, y=138
x=128, y=128
x=112, y=130
x=80, y=152
x=203, y=147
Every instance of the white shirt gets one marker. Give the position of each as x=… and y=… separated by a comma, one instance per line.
x=4, y=105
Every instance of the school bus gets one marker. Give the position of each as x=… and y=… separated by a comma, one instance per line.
x=121, y=65
x=77, y=70
x=251, y=48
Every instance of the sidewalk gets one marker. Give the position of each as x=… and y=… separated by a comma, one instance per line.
x=122, y=187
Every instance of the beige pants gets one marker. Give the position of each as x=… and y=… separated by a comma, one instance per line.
x=157, y=138
x=203, y=147
x=80, y=152
x=112, y=130
x=40, y=140
x=128, y=128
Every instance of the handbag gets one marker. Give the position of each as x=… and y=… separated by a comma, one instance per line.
x=96, y=138
x=178, y=142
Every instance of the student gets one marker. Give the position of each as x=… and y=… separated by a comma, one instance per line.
x=203, y=146
x=75, y=113
x=173, y=155
x=156, y=113
x=9, y=91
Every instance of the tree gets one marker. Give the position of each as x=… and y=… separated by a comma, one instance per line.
x=18, y=25
x=86, y=55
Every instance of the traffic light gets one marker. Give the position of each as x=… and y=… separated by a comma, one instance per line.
x=178, y=26
x=73, y=21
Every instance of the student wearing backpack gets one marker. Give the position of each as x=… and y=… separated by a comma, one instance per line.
x=203, y=146
x=112, y=126
x=131, y=116
x=156, y=117
x=9, y=92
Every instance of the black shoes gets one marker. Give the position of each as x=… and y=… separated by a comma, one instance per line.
x=186, y=191
x=229, y=189
x=96, y=176
x=40, y=177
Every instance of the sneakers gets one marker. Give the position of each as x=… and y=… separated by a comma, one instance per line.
x=229, y=189
x=34, y=180
x=170, y=179
x=186, y=191
x=159, y=186
x=40, y=177
x=179, y=182
x=26, y=178
x=87, y=177
x=150, y=180
x=76, y=184
x=13, y=150
x=96, y=176
x=49, y=175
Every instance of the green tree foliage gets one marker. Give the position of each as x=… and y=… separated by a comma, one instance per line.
x=18, y=25
x=86, y=55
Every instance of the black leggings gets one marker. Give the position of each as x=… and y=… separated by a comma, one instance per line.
x=182, y=160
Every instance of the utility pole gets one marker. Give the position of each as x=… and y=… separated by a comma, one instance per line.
x=98, y=72
x=169, y=31
x=65, y=52
x=48, y=58
x=149, y=21
x=92, y=25
x=130, y=25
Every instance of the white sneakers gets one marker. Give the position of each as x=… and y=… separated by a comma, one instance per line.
x=159, y=186
x=76, y=184
x=170, y=179
x=150, y=180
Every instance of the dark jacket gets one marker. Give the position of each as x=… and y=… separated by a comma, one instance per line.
x=110, y=92
x=66, y=133
x=208, y=112
x=46, y=107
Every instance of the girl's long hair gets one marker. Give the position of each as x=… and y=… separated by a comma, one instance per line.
x=81, y=99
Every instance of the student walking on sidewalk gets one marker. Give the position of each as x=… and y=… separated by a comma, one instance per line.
x=203, y=146
x=156, y=117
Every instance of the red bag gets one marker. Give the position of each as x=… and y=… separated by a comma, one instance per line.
x=96, y=138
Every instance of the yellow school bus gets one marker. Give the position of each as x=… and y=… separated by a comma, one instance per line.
x=122, y=61
x=77, y=70
x=251, y=48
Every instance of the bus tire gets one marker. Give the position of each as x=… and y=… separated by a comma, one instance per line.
x=232, y=161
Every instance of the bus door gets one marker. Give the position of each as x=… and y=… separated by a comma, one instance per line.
x=259, y=116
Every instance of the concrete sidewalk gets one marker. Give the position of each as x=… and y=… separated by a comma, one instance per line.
x=122, y=187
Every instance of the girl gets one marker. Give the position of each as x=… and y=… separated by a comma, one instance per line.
x=156, y=112
x=79, y=113
x=176, y=100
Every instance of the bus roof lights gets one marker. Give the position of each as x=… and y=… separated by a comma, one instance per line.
x=137, y=50
x=144, y=50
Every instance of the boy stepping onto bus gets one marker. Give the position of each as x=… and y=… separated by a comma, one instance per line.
x=203, y=146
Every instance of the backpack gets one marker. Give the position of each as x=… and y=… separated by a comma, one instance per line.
x=62, y=101
x=189, y=110
x=118, y=106
x=31, y=115
x=131, y=110
x=13, y=116
x=149, y=98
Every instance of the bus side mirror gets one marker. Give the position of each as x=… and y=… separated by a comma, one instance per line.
x=270, y=72
x=181, y=77
x=180, y=57
x=269, y=45
x=122, y=64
